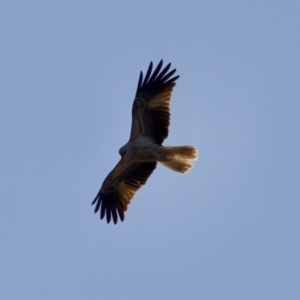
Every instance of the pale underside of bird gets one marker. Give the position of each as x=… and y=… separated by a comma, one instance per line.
x=139, y=157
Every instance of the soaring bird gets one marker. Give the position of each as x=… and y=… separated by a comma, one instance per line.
x=139, y=157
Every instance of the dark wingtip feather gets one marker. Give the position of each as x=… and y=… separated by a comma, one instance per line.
x=97, y=207
x=155, y=73
x=120, y=211
x=108, y=215
x=172, y=80
x=148, y=72
x=94, y=201
x=122, y=216
x=140, y=81
x=167, y=76
x=163, y=72
x=114, y=215
x=102, y=213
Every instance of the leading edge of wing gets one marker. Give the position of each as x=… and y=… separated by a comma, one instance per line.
x=119, y=187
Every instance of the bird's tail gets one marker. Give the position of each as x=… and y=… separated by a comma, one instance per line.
x=179, y=158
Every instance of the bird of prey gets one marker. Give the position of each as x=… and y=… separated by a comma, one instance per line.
x=139, y=157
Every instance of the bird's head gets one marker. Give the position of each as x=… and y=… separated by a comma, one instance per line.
x=122, y=151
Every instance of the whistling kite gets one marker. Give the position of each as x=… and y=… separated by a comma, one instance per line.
x=149, y=128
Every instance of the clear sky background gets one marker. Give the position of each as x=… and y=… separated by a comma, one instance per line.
x=229, y=229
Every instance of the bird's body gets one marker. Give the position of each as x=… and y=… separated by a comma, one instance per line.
x=142, y=149
x=150, y=122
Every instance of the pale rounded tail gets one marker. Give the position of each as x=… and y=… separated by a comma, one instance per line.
x=180, y=158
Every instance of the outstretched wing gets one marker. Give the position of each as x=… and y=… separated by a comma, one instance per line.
x=151, y=106
x=120, y=186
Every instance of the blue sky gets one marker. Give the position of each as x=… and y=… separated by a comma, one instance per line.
x=229, y=229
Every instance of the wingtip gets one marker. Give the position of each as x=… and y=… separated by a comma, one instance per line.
x=140, y=81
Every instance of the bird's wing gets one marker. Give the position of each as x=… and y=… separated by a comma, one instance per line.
x=151, y=106
x=120, y=186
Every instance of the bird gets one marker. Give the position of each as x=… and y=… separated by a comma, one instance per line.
x=140, y=155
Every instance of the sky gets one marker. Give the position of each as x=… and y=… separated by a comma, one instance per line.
x=229, y=228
